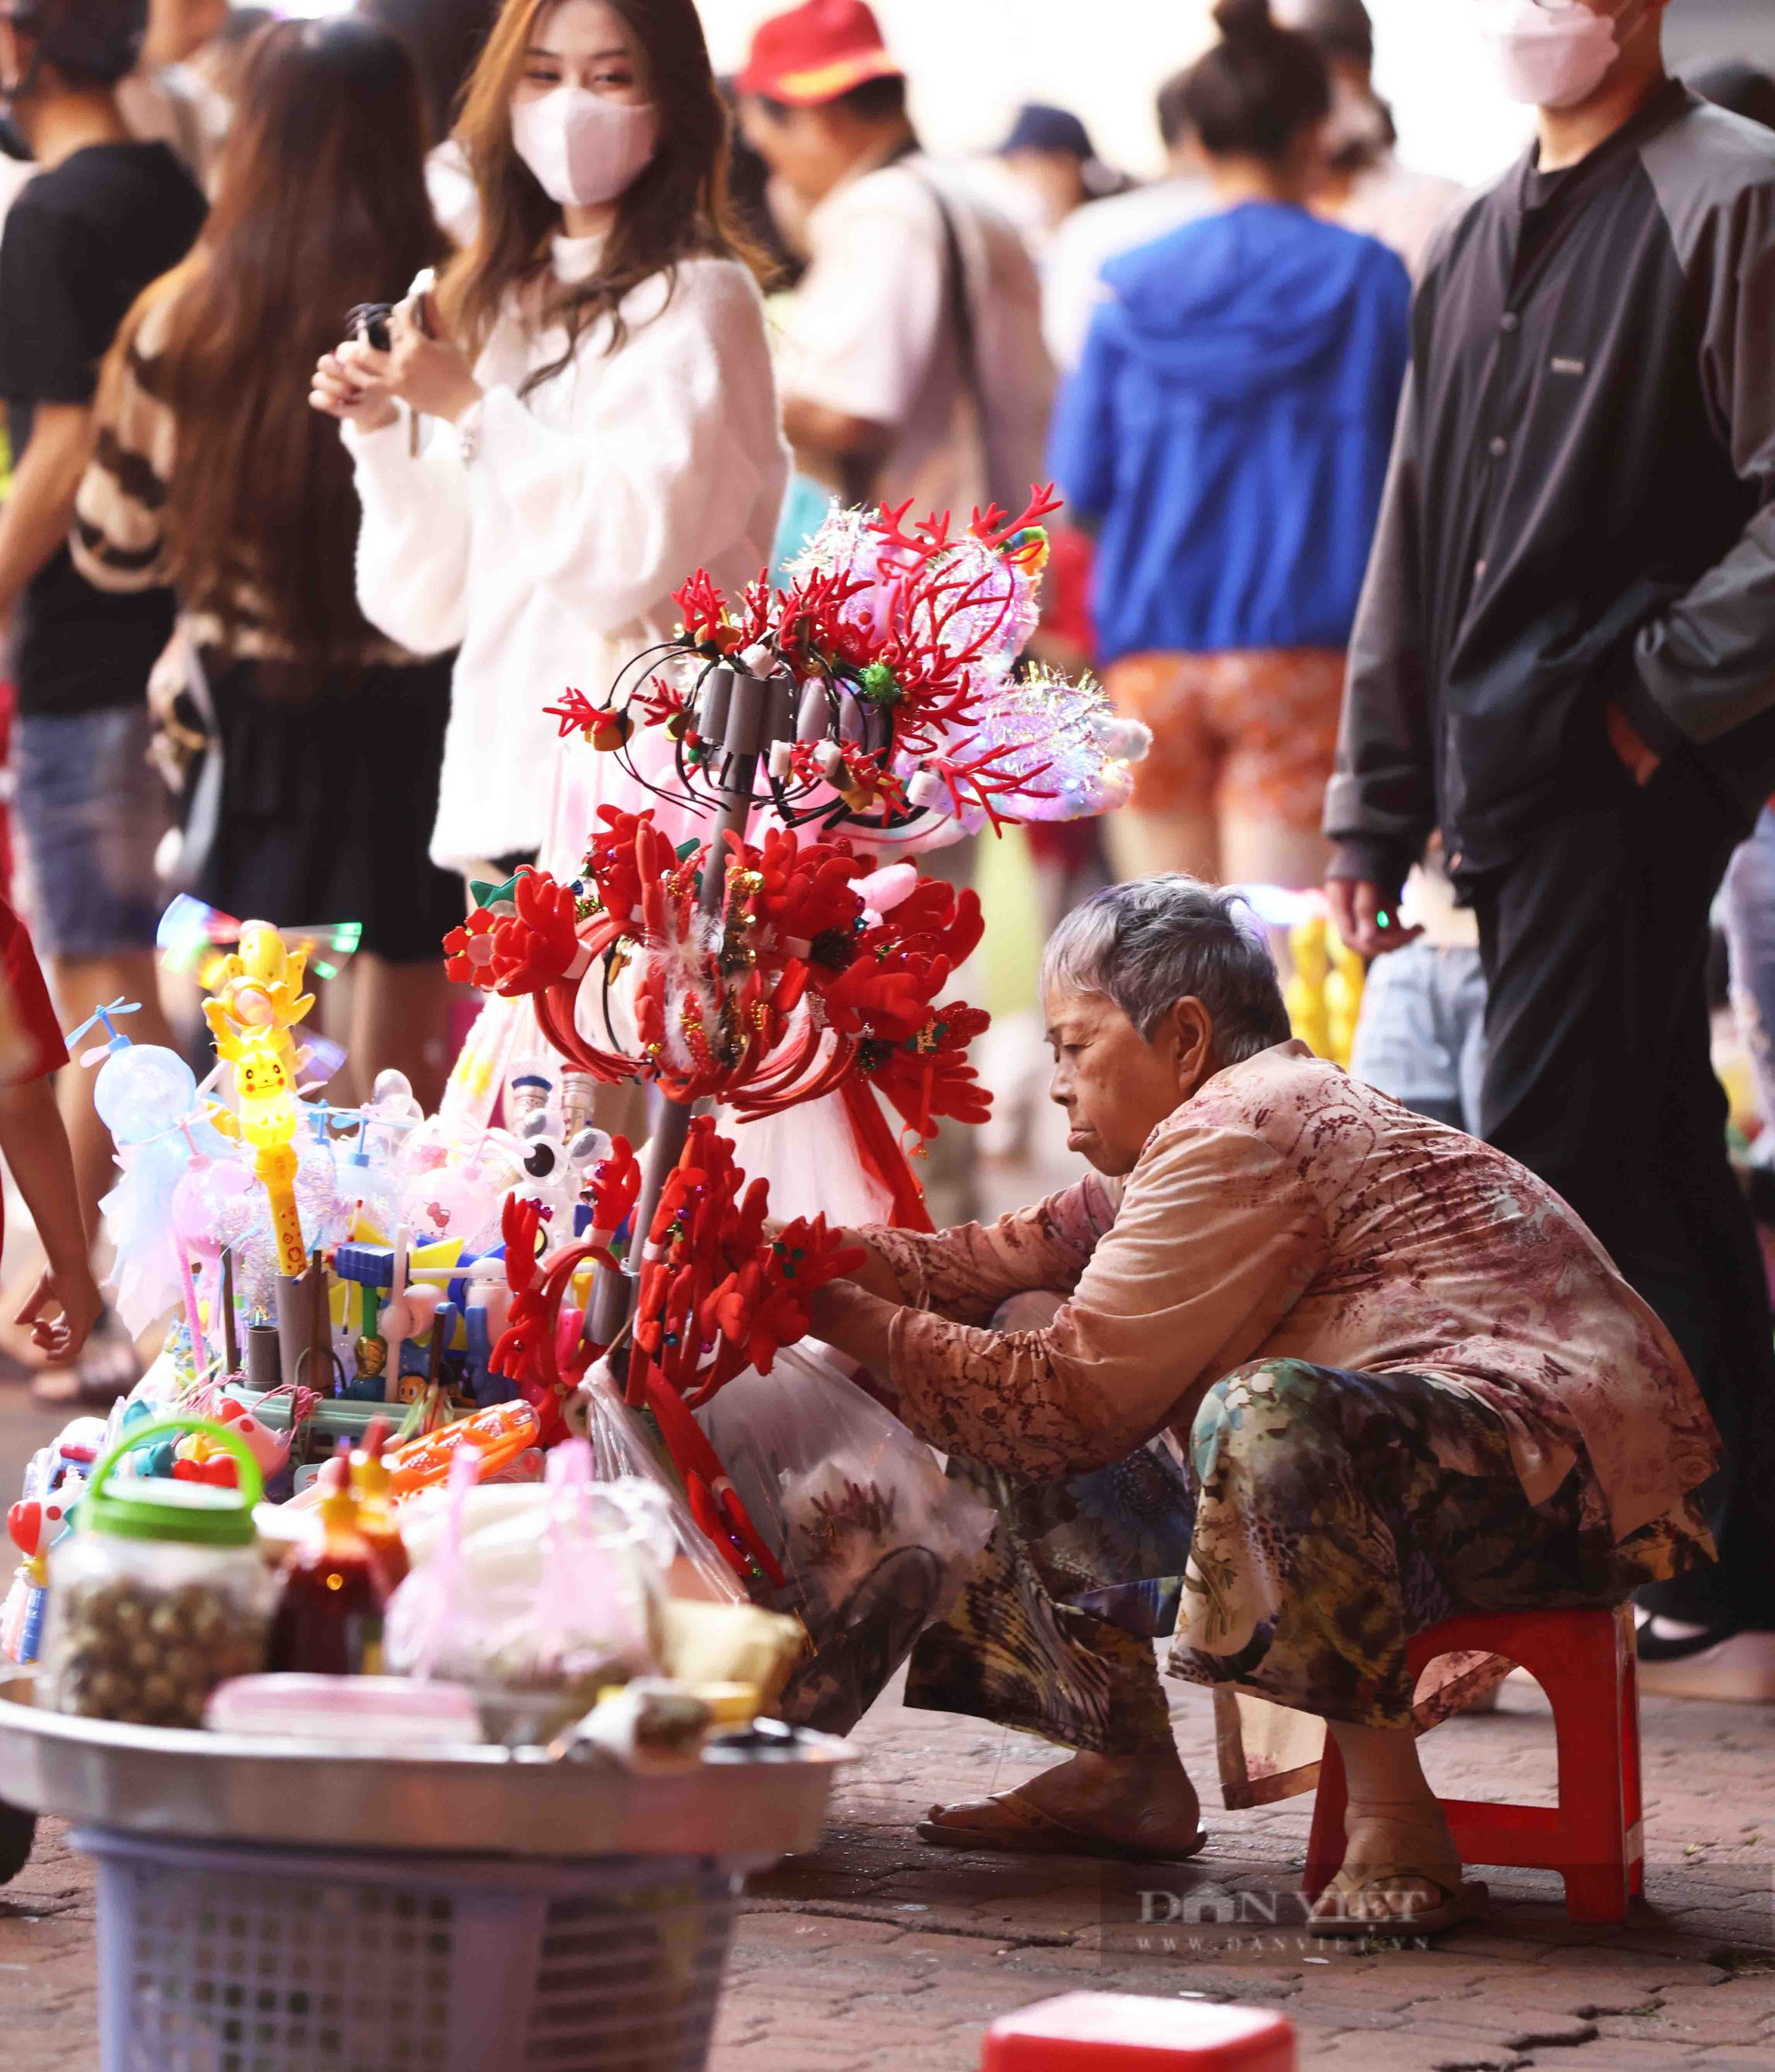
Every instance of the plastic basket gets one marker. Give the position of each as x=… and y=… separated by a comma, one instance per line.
x=219, y=1958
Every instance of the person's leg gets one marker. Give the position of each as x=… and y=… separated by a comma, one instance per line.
x=1750, y=936
x=1276, y=711
x=1015, y=1651
x=1463, y=1009
x=1339, y=1514
x=401, y=1015
x=93, y=812
x=1299, y=1586
x=1269, y=852
x=1392, y=1817
x=1692, y=1169
x=1072, y=863
x=1142, y=844
x=1399, y=1045
x=1599, y=1078
x=1171, y=823
x=82, y=984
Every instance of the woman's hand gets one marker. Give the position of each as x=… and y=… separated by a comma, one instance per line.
x=349, y=385
x=61, y=1309
x=429, y=375
x=874, y=1273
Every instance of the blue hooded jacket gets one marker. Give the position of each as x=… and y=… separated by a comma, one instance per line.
x=1229, y=426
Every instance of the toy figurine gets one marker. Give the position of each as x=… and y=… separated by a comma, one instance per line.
x=258, y=991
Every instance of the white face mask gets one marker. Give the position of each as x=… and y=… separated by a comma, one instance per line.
x=1554, y=56
x=583, y=148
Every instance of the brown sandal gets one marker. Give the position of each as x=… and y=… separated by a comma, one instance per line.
x=1461, y=1902
x=1010, y=1826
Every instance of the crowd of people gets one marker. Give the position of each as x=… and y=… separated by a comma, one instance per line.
x=1429, y=533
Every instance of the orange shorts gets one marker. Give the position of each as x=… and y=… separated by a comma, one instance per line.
x=1249, y=735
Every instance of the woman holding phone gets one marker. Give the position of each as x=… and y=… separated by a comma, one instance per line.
x=577, y=416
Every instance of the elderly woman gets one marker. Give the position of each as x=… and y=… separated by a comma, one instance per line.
x=1408, y=1382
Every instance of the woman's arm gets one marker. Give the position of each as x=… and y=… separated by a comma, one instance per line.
x=1214, y=1242
x=35, y=1145
x=966, y=1272
x=413, y=545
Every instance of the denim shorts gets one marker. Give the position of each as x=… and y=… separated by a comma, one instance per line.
x=92, y=812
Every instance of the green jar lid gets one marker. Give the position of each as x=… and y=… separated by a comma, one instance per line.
x=197, y=1513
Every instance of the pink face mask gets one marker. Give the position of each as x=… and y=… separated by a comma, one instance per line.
x=583, y=148
x=1554, y=55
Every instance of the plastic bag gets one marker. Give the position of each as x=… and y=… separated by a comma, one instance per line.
x=621, y=1448
x=540, y=1608
x=874, y=1541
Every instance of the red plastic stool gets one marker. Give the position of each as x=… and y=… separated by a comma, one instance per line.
x=1586, y=1664
x=1124, y=2032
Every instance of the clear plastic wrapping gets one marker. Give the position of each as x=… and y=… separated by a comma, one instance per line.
x=873, y=1541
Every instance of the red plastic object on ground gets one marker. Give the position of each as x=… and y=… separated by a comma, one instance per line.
x=1595, y=1838
x=1129, y=2032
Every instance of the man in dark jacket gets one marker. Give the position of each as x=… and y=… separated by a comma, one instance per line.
x=1565, y=659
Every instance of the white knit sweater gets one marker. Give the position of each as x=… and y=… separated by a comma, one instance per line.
x=551, y=555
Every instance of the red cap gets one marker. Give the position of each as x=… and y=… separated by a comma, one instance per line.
x=816, y=52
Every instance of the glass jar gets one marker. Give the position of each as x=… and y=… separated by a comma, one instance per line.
x=158, y=1594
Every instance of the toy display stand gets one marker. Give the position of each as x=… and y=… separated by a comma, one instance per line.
x=279, y=1905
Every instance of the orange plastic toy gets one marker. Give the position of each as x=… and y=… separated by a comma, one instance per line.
x=500, y=1434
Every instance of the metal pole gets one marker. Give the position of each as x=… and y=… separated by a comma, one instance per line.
x=752, y=715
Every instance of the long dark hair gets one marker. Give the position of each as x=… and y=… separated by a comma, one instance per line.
x=321, y=204
x=444, y=37
x=678, y=208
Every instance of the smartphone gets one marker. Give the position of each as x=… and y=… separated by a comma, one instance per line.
x=369, y=321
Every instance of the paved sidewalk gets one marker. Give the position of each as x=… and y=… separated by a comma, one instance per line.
x=883, y=1955
x=879, y=1955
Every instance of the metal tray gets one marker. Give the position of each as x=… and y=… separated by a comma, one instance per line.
x=468, y=1801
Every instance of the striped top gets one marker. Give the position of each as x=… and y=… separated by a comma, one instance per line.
x=119, y=540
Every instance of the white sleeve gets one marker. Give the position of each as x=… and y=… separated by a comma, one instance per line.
x=1072, y=287
x=654, y=478
x=412, y=546
x=868, y=314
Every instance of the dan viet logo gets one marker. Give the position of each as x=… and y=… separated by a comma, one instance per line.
x=1211, y=1917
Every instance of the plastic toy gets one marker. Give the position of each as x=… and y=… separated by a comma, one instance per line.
x=146, y=1096
x=198, y=1458
x=257, y=992
x=498, y=1434
x=268, y=1124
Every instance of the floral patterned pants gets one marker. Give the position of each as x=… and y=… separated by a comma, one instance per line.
x=1328, y=1516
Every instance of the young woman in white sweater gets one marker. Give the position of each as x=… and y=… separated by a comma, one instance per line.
x=597, y=417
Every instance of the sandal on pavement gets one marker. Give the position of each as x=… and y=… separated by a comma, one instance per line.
x=1460, y=1902
x=1010, y=1824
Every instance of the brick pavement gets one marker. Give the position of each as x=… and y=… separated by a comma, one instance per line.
x=879, y=1955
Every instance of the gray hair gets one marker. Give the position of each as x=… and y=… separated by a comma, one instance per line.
x=1148, y=945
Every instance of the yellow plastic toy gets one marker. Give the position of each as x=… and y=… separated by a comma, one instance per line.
x=263, y=1084
x=257, y=992
x=1324, y=993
